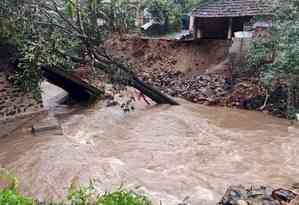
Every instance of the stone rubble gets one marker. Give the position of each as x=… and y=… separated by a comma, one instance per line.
x=257, y=195
x=206, y=89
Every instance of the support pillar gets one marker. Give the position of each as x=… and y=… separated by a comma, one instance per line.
x=193, y=26
x=230, y=26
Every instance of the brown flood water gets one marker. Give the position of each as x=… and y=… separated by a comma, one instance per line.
x=169, y=153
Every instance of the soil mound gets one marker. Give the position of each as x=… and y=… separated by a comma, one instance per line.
x=152, y=54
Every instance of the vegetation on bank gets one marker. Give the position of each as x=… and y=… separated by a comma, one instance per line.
x=67, y=34
x=81, y=196
x=47, y=32
x=275, y=57
x=76, y=196
x=61, y=33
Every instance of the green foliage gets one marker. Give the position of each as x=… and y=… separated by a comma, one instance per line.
x=9, y=30
x=282, y=47
x=82, y=195
x=89, y=196
x=170, y=11
x=159, y=9
x=284, y=42
x=260, y=50
x=165, y=12
x=35, y=53
x=77, y=195
x=9, y=179
x=35, y=44
x=122, y=198
x=176, y=18
x=120, y=15
x=45, y=31
x=10, y=197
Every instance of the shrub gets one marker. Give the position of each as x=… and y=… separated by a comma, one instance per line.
x=11, y=197
x=89, y=196
x=82, y=195
x=122, y=198
x=284, y=46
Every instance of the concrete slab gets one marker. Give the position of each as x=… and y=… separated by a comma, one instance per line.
x=48, y=125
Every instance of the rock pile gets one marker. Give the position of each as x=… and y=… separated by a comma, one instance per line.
x=206, y=89
x=239, y=195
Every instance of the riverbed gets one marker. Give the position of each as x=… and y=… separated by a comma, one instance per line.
x=189, y=153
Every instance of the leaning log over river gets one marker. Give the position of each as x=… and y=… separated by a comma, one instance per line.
x=151, y=92
x=81, y=90
x=109, y=65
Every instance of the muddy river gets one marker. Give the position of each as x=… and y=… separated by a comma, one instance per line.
x=169, y=153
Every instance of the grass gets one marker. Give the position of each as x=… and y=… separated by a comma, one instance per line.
x=122, y=198
x=80, y=197
x=10, y=197
x=77, y=195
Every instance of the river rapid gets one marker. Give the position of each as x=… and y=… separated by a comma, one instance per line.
x=188, y=153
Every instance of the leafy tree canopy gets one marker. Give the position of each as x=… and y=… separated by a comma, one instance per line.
x=170, y=10
x=47, y=32
x=63, y=33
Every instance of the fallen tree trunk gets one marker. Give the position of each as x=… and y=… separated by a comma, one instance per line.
x=103, y=62
x=152, y=93
x=79, y=30
x=147, y=90
x=134, y=81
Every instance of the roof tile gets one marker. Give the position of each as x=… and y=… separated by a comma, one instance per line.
x=232, y=8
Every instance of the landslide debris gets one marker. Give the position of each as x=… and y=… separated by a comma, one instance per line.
x=200, y=72
x=208, y=89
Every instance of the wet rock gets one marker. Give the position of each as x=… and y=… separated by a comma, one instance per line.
x=212, y=101
x=239, y=195
x=111, y=103
x=284, y=195
x=204, y=89
x=208, y=92
x=261, y=195
x=242, y=202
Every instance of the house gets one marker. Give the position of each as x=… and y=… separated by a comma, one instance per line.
x=219, y=19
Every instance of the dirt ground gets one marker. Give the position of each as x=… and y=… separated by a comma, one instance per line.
x=148, y=55
x=198, y=71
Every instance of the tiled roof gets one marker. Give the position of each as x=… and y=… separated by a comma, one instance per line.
x=232, y=8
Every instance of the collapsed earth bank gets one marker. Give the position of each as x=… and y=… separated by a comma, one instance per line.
x=198, y=71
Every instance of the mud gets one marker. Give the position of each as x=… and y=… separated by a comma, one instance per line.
x=189, y=153
x=151, y=54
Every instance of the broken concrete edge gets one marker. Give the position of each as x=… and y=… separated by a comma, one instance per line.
x=49, y=132
x=22, y=121
x=48, y=125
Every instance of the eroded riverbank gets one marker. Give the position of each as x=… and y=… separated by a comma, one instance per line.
x=170, y=153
